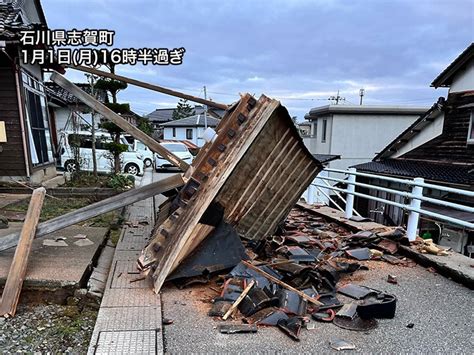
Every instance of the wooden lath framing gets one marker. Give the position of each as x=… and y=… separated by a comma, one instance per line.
x=257, y=153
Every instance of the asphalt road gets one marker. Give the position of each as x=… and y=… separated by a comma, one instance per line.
x=441, y=310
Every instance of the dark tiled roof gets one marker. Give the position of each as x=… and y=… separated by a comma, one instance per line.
x=11, y=23
x=54, y=91
x=193, y=121
x=163, y=115
x=447, y=173
x=445, y=78
x=326, y=158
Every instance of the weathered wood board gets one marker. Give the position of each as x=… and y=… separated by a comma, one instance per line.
x=16, y=275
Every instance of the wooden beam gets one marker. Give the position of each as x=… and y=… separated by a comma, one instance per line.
x=110, y=204
x=238, y=300
x=16, y=275
x=150, y=86
x=282, y=284
x=119, y=121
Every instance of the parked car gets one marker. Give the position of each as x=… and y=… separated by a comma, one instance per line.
x=131, y=162
x=178, y=149
x=142, y=149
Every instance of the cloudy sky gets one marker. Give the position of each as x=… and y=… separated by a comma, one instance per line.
x=298, y=51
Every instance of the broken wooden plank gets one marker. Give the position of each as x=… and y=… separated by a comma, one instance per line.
x=16, y=275
x=119, y=121
x=282, y=284
x=110, y=204
x=150, y=86
x=238, y=300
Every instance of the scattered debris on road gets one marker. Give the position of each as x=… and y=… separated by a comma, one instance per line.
x=300, y=276
x=340, y=344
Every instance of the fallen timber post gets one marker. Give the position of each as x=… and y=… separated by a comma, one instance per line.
x=112, y=203
x=16, y=275
x=282, y=284
x=150, y=86
x=119, y=121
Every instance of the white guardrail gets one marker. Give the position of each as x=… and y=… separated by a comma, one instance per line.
x=415, y=197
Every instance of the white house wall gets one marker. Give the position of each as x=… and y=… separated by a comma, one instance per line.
x=464, y=80
x=181, y=134
x=62, y=115
x=428, y=133
x=358, y=138
x=314, y=143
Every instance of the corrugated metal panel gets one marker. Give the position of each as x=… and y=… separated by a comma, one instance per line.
x=255, y=170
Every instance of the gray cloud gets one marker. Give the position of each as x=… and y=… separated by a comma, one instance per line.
x=300, y=51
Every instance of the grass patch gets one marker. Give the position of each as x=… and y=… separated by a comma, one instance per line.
x=56, y=207
x=85, y=179
x=51, y=207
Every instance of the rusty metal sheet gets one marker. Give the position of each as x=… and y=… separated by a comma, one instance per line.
x=255, y=170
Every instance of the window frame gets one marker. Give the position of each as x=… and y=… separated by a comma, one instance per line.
x=173, y=132
x=189, y=136
x=324, y=130
x=33, y=88
x=470, y=131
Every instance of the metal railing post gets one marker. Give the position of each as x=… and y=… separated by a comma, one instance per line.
x=413, y=217
x=311, y=193
x=351, y=179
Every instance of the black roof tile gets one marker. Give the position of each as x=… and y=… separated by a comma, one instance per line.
x=446, y=173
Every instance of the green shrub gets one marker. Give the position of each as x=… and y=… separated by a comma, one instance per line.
x=121, y=182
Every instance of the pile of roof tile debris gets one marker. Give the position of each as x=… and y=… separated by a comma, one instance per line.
x=290, y=280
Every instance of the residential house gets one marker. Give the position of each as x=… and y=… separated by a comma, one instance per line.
x=189, y=128
x=304, y=128
x=356, y=133
x=26, y=151
x=67, y=111
x=163, y=115
x=439, y=147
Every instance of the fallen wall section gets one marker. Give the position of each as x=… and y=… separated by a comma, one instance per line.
x=252, y=173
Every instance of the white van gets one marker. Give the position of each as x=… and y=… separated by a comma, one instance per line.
x=142, y=149
x=131, y=162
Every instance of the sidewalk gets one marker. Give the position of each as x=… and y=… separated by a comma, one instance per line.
x=129, y=319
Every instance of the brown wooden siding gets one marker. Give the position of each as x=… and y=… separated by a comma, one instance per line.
x=12, y=159
x=451, y=146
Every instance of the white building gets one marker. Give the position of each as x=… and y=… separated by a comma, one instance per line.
x=356, y=133
x=189, y=128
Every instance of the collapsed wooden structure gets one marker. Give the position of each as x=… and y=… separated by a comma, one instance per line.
x=250, y=176
x=253, y=173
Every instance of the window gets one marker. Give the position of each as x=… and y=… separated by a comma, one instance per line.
x=470, y=132
x=37, y=121
x=324, y=131
x=174, y=132
x=189, y=133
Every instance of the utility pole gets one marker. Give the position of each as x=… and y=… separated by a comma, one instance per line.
x=361, y=94
x=92, y=79
x=336, y=98
x=205, y=108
